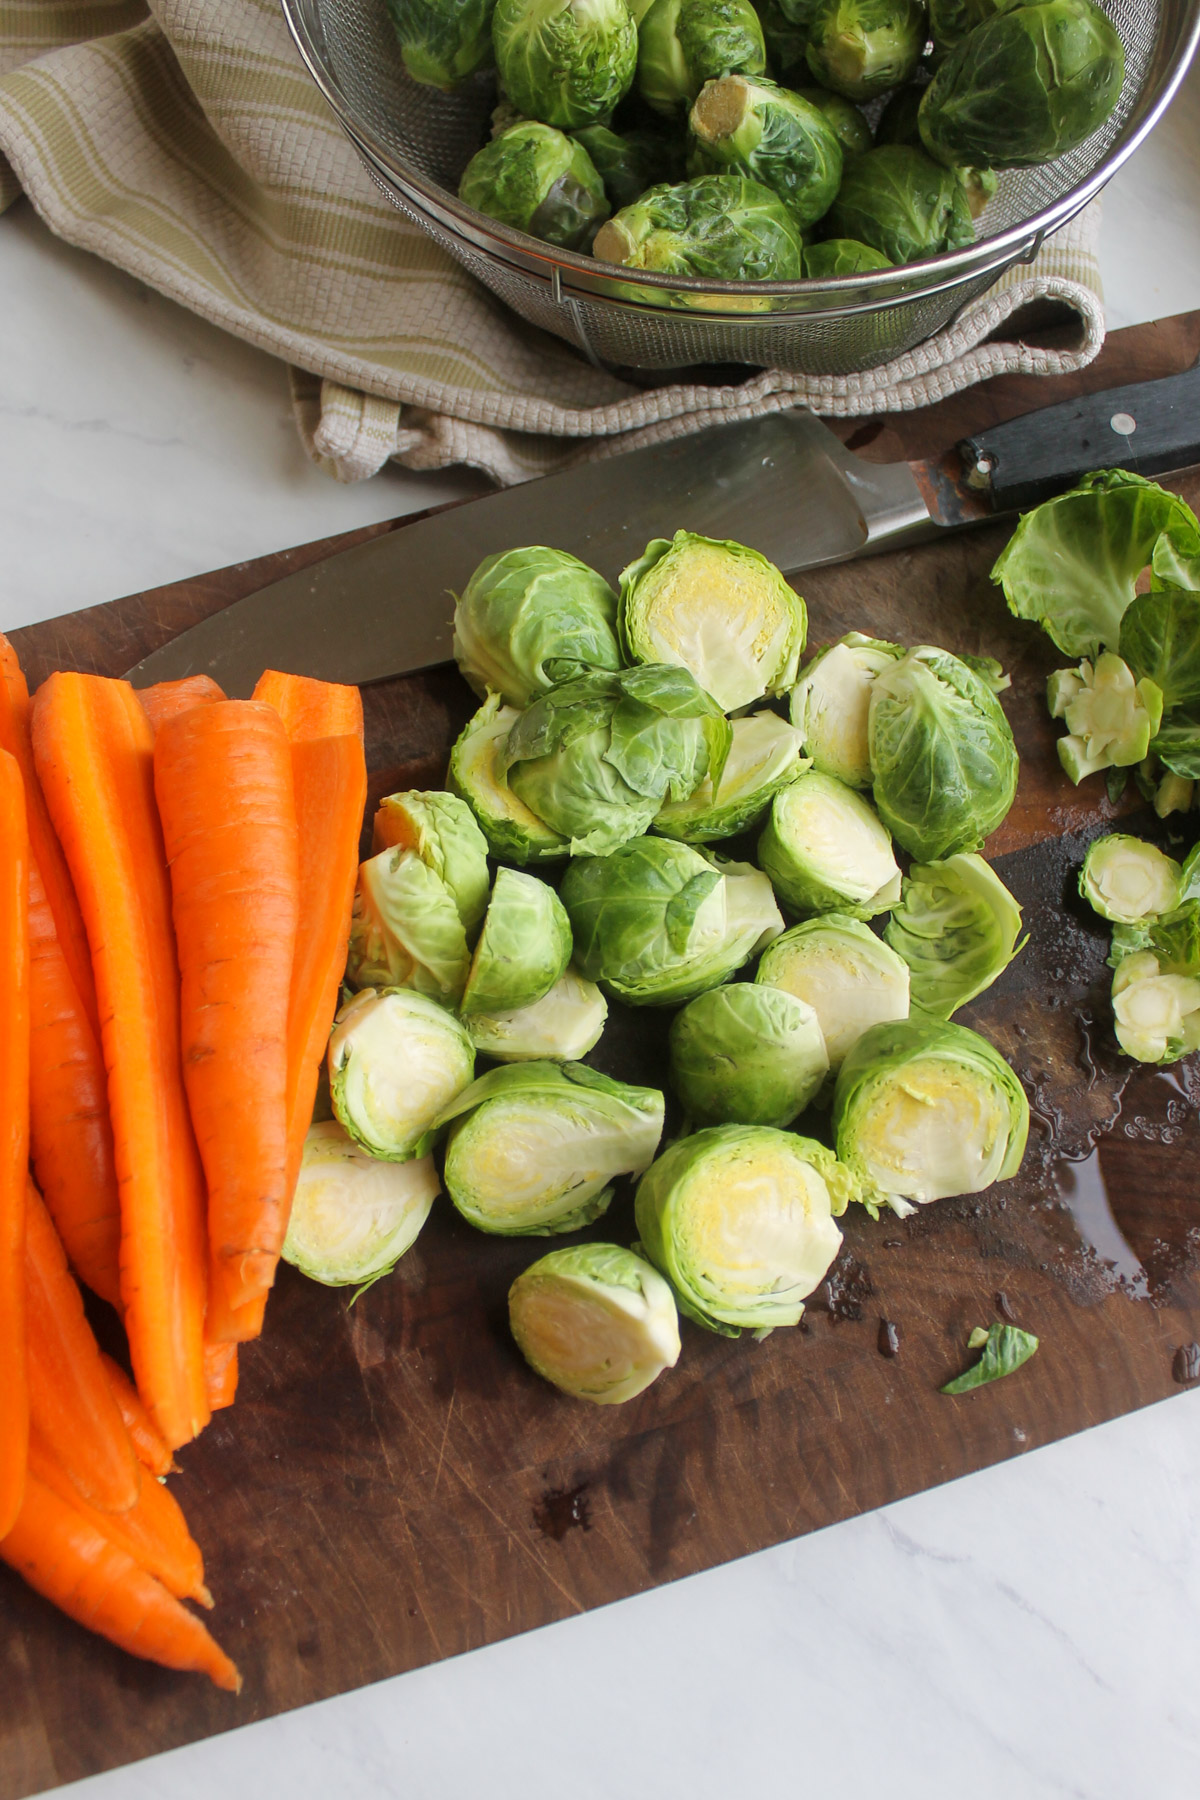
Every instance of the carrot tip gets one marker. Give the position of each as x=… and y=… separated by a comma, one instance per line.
x=202, y=1596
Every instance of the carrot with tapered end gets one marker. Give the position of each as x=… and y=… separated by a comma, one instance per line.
x=312, y=709
x=223, y=777
x=150, y=1447
x=68, y=1559
x=94, y=748
x=226, y=1324
x=14, y=1136
x=221, y=1374
x=166, y=699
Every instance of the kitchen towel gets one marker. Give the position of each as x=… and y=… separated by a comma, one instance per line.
x=184, y=141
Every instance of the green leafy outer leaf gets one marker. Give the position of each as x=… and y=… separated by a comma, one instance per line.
x=684, y=43
x=901, y=203
x=537, y=180
x=565, y=61
x=1176, y=559
x=513, y=832
x=1072, y=562
x=825, y=850
x=530, y=618
x=721, y=227
x=406, y=930
x=861, y=48
x=1177, y=744
x=1160, y=640
x=1006, y=1348
x=1174, y=940
x=764, y=755
x=746, y=1054
x=396, y=1058
x=354, y=1216
x=942, y=753
x=956, y=927
x=1129, y=881
x=442, y=42
x=523, y=949
x=755, y=128
x=443, y=831
x=1189, y=876
x=595, y=1320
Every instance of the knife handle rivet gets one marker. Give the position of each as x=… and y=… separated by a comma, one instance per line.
x=1124, y=424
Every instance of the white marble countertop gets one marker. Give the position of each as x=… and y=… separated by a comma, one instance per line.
x=1029, y=1632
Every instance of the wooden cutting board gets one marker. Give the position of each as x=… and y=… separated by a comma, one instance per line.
x=394, y=1486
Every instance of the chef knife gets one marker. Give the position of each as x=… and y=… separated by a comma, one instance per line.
x=784, y=484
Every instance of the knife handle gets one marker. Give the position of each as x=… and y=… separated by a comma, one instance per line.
x=1149, y=427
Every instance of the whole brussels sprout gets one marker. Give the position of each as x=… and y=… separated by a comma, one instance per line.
x=746, y=1055
x=442, y=42
x=861, y=48
x=1024, y=87
x=841, y=256
x=539, y=181
x=899, y=124
x=850, y=128
x=530, y=618
x=722, y=227
x=596, y=1320
x=901, y=203
x=566, y=62
x=684, y=43
x=629, y=162
x=477, y=774
x=950, y=20
x=406, y=929
x=785, y=38
x=523, y=949
x=751, y=127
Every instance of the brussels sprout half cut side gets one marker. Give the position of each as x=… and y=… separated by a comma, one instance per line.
x=595, y=1320
x=830, y=706
x=396, y=1060
x=764, y=755
x=513, y=832
x=530, y=618
x=561, y=1027
x=353, y=1216
x=850, y=978
x=825, y=850
x=746, y=1055
x=524, y=947
x=1156, y=1016
x=1128, y=881
x=956, y=927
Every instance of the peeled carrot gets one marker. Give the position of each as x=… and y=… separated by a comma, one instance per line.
x=93, y=747
x=221, y=1374
x=148, y=1443
x=312, y=709
x=226, y=1324
x=223, y=777
x=14, y=1136
x=166, y=699
x=64, y=1556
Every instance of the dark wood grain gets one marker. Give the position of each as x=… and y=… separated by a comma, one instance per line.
x=394, y=1486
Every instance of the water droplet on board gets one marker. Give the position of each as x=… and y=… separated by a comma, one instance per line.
x=888, y=1339
x=1081, y=1188
x=561, y=1510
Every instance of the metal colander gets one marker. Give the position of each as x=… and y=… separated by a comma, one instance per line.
x=416, y=141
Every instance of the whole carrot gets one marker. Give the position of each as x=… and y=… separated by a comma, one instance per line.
x=150, y=1447
x=312, y=709
x=167, y=698
x=14, y=1136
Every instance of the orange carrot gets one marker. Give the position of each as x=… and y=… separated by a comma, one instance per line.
x=149, y=1445
x=167, y=698
x=226, y=1324
x=312, y=709
x=93, y=747
x=223, y=777
x=64, y=1556
x=14, y=1136
x=221, y=1373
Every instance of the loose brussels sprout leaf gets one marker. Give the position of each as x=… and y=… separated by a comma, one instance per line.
x=1129, y=881
x=956, y=927
x=923, y=1110
x=826, y=851
x=1175, y=562
x=716, y=608
x=353, y=1216
x=396, y=1059
x=565, y=61
x=746, y=1055
x=530, y=618
x=1160, y=640
x=739, y=1218
x=764, y=755
x=477, y=773
x=443, y=42
x=851, y=979
x=535, y=1146
x=523, y=949
x=901, y=203
x=440, y=829
x=1177, y=744
x=1174, y=939
x=861, y=48
x=596, y=757
x=684, y=43
x=406, y=930
x=751, y=127
x=942, y=754
x=722, y=227
x=628, y=162
x=1172, y=794
x=562, y=1026
x=537, y=180
x=657, y=922
x=1024, y=87
x=1156, y=1015
x=1189, y=876
x=595, y=1320
x=841, y=256
x=830, y=706
x=1005, y=1348
x=1110, y=718
x=849, y=126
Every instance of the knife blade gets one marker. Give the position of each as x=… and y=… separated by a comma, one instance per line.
x=784, y=484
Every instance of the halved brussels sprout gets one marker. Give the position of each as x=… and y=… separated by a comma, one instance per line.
x=396, y=1059
x=825, y=850
x=719, y=226
x=764, y=755
x=861, y=48
x=830, y=705
x=746, y=1055
x=752, y=127
x=565, y=61
x=684, y=43
x=841, y=256
x=657, y=922
x=1129, y=881
x=441, y=829
x=406, y=929
x=477, y=773
x=538, y=180
x=443, y=42
x=523, y=949
x=595, y=1320
x=1156, y=1015
x=353, y=1216
x=850, y=978
x=629, y=162
x=739, y=1218
x=534, y=1147
x=530, y=618
x=901, y=203
x=924, y=1109
x=715, y=608
x=1110, y=718
x=849, y=125
x=562, y=1026
x=956, y=927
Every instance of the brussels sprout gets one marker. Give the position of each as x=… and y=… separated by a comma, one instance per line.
x=861, y=48
x=523, y=949
x=851, y=979
x=899, y=124
x=719, y=226
x=1156, y=1015
x=353, y=1216
x=841, y=256
x=764, y=755
x=785, y=40
x=1128, y=881
x=442, y=42
x=746, y=1055
x=596, y=757
x=826, y=851
x=440, y=828
x=956, y=927
x=562, y=1026
x=942, y=753
x=406, y=929
x=923, y=1109
x=537, y=180
x=684, y=43
x=901, y=203
x=396, y=1058
x=477, y=774
x=1110, y=717
x=751, y=127
x=595, y=1320
x=716, y=608
x=565, y=61
x=950, y=20
x=1024, y=87
x=534, y=1147
x=1174, y=938
x=849, y=126
x=830, y=705
x=657, y=922
x=530, y=618
x=629, y=162
x=739, y=1218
